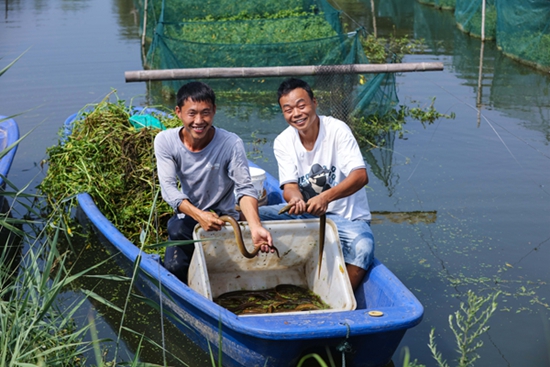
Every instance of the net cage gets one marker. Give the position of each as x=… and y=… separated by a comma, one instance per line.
x=468, y=16
x=523, y=31
x=226, y=33
x=440, y=4
x=521, y=28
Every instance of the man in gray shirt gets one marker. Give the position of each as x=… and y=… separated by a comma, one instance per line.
x=212, y=169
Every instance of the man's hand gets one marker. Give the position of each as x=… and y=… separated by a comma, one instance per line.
x=262, y=238
x=317, y=205
x=294, y=198
x=297, y=206
x=209, y=221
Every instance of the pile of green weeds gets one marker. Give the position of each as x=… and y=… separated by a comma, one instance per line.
x=102, y=154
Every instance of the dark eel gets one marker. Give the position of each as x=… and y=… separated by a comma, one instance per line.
x=322, y=227
x=239, y=238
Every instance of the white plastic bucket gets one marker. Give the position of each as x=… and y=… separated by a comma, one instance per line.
x=258, y=178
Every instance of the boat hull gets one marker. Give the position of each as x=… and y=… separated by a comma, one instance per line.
x=9, y=134
x=271, y=340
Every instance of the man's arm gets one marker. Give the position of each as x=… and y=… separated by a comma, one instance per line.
x=260, y=235
x=209, y=221
x=167, y=172
x=356, y=180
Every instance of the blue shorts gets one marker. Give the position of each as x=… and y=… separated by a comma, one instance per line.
x=356, y=236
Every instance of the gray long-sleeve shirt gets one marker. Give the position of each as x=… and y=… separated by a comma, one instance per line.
x=208, y=178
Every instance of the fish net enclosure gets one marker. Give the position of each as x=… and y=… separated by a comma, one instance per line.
x=523, y=31
x=226, y=33
x=441, y=4
x=521, y=28
x=468, y=15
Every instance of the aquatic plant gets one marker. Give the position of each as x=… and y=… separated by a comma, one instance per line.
x=290, y=25
x=369, y=129
x=467, y=324
x=107, y=157
x=381, y=50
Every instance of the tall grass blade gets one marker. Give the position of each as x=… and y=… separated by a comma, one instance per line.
x=2, y=71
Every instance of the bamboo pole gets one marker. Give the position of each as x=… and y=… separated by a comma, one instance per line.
x=144, y=31
x=480, y=84
x=275, y=71
x=373, y=18
x=480, y=72
x=482, y=20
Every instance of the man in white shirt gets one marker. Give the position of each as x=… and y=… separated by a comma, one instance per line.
x=322, y=171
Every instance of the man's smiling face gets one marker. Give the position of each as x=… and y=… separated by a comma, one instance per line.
x=299, y=110
x=197, y=118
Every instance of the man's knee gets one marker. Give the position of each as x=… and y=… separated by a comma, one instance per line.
x=177, y=261
x=364, y=249
x=181, y=229
x=270, y=212
x=360, y=251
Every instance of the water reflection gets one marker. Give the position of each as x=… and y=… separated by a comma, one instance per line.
x=75, y=6
x=380, y=161
x=522, y=95
x=41, y=6
x=127, y=19
x=503, y=84
x=11, y=6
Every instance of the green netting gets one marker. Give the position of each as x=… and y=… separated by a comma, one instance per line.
x=153, y=12
x=468, y=15
x=442, y=4
x=240, y=42
x=432, y=29
x=521, y=28
x=227, y=33
x=170, y=53
x=399, y=13
x=523, y=31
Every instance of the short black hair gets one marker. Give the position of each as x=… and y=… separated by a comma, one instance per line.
x=288, y=85
x=196, y=91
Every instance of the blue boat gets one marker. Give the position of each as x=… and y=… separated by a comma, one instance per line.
x=368, y=335
x=9, y=134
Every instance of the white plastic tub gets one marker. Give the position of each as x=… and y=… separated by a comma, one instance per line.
x=218, y=266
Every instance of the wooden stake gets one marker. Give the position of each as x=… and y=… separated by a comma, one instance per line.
x=144, y=31
x=482, y=20
x=277, y=71
x=373, y=18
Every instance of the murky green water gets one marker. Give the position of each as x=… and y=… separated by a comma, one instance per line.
x=474, y=191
